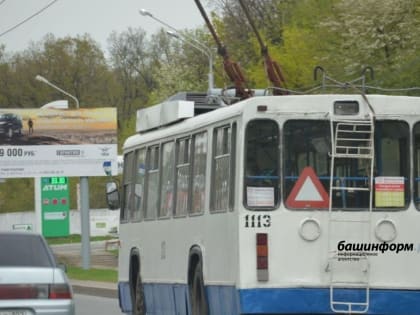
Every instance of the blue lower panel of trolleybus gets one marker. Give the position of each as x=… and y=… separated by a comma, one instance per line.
x=164, y=299
x=317, y=301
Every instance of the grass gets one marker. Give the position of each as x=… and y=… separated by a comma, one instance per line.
x=102, y=275
x=75, y=238
x=77, y=273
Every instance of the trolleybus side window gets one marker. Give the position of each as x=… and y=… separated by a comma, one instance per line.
x=168, y=179
x=139, y=181
x=261, y=164
x=152, y=187
x=199, y=172
x=182, y=177
x=127, y=205
x=222, y=179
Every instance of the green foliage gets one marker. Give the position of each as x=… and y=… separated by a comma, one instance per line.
x=297, y=57
x=17, y=195
x=101, y=275
x=26, y=202
x=376, y=33
x=126, y=129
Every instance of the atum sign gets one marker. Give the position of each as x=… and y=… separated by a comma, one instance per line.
x=55, y=206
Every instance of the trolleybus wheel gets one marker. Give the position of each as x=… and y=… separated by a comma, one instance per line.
x=139, y=307
x=198, y=293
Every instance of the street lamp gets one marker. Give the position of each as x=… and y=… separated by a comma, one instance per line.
x=144, y=12
x=200, y=48
x=84, y=195
x=42, y=79
x=188, y=40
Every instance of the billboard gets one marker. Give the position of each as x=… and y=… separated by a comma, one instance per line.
x=57, y=142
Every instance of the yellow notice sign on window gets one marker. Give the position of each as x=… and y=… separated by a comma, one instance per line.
x=389, y=191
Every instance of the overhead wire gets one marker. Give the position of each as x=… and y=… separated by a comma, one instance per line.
x=28, y=18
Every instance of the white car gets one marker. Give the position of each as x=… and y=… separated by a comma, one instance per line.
x=31, y=282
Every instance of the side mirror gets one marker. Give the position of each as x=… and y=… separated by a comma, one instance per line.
x=112, y=196
x=63, y=267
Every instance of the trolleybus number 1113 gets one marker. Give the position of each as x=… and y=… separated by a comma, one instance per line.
x=257, y=220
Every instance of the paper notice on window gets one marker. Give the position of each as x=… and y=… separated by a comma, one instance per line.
x=389, y=191
x=260, y=196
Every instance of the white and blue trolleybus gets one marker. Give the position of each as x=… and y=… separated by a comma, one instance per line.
x=293, y=204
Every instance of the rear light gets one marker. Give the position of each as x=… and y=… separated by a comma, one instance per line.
x=60, y=291
x=23, y=291
x=262, y=256
x=34, y=291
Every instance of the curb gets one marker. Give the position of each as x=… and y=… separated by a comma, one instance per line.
x=106, y=290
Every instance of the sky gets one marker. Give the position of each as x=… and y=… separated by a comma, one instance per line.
x=95, y=17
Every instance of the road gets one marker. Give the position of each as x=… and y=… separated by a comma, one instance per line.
x=88, y=305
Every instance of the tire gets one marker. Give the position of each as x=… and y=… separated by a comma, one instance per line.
x=10, y=133
x=139, y=306
x=198, y=298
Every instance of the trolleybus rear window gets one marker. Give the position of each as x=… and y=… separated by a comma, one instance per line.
x=307, y=143
x=262, y=164
x=416, y=132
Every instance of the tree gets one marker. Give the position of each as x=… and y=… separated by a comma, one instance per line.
x=306, y=44
x=181, y=66
x=379, y=33
x=132, y=65
x=77, y=65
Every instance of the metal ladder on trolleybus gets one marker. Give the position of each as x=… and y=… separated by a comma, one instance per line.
x=350, y=139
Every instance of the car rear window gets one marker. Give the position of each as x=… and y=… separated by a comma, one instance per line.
x=23, y=251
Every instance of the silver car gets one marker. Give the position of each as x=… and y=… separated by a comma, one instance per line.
x=31, y=283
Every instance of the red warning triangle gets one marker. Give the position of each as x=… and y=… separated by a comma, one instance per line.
x=308, y=192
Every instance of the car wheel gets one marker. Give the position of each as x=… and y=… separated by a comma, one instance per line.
x=139, y=307
x=10, y=133
x=198, y=293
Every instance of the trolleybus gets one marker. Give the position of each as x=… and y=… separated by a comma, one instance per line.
x=294, y=204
